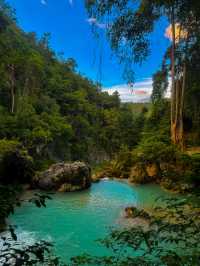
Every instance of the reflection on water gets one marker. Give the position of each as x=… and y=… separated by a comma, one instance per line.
x=73, y=221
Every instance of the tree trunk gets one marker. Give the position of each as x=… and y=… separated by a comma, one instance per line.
x=173, y=89
x=12, y=87
x=182, y=104
x=177, y=93
x=178, y=124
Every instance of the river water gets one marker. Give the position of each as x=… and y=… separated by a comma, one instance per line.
x=74, y=221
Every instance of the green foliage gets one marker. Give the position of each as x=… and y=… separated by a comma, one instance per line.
x=39, y=253
x=193, y=175
x=48, y=112
x=54, y=112
x=8, y=198
x=129, y=27
x=139, y=107
x=156, y=160
x=120, y=166
x=160, y=84
x=16, y=166
x=153, y=150
x=7, y=146
x=158, y=121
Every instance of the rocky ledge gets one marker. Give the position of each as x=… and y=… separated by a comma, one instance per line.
x=64, y=177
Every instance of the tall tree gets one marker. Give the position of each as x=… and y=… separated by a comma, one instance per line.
x=129, y=25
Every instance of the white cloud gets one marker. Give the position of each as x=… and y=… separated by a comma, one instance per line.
x=43, y=2
x=94, y=22
x=137, y=92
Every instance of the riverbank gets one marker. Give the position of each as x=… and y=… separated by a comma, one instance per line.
x=173, y=170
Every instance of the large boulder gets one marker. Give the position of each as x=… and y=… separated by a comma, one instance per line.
x=65, y=177
x=142, y=173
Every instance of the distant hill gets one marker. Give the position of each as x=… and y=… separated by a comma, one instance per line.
x=138, y=107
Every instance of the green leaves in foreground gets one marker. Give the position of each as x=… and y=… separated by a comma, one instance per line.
x=40, y=199
x=14, y=252
x=36, y=254
x=9, y=198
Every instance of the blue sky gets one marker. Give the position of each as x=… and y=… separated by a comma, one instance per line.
x=71, y=33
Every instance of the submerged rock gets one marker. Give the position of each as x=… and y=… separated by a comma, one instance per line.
x=65, y=177
x=133, y=212
x=130, y=212
x=135, y=217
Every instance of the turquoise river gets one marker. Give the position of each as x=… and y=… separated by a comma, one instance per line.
x=74, y=221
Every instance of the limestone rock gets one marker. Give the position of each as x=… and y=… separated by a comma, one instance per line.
x=152, y=170
x=65, y=177
x=138, y=174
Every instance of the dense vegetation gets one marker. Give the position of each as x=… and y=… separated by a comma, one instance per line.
x=170, y=126
x=129, y=26
x=49, y=113
x=167, y=151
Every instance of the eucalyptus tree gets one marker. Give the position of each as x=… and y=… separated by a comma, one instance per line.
x=129, y=24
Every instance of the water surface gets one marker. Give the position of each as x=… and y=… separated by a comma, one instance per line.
x=74, y=221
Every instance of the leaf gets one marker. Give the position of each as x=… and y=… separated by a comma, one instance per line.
x=12, y=232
